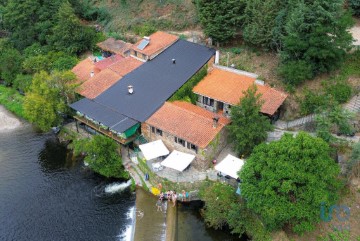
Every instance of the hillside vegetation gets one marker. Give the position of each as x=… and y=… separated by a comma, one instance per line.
x=137, y=15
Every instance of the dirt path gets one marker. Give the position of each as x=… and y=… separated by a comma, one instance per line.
x=7, y=120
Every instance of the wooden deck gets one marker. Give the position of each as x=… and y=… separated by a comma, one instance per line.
x=105, y=132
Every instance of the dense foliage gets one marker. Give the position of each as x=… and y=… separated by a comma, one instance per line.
x=355, y=6
x=48, y=98
x=185, y=93
x=220, y=19
x=218, y=198
x=286, y=181
x=311, y=36
x=316, y=38
x=249, y=127
x=102, y=156
x=332, y=117
x=224, y=208
x=69, y=35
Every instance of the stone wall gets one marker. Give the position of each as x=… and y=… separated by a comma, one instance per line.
x=204, y=156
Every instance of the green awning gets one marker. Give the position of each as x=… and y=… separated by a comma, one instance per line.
x=131, y=131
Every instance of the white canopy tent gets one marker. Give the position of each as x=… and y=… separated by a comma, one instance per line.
x=230, y=166
x=178, y=160
x=154, y=149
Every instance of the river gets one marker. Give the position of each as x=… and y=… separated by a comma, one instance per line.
x=46, y=195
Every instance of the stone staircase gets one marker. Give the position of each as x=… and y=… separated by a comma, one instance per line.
x=354, y=104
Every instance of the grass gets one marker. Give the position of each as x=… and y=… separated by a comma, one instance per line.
x=12, y=100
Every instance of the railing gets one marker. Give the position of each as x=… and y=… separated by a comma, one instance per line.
x=105, y=131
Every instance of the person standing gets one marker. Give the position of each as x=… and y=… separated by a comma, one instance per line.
x=174, y=198
x=158, y=205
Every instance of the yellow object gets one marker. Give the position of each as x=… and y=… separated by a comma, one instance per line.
x=155, y=191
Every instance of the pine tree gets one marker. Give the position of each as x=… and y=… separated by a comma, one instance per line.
x=316, y=34
x=221, y=19
x=69, y=35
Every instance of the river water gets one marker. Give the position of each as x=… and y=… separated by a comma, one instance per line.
x=46, y=195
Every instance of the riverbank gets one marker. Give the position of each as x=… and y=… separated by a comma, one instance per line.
x=8, y=121
x=12, y=101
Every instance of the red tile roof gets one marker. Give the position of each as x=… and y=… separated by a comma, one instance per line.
x=158, y=41
x=188, y=122
x=98, y=84
x=103, y=64
x=228, y=87
x=83, y=69
x=125, y=65
x=114, y=46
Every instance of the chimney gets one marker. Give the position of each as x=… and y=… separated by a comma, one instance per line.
x=92, y=74
x=215, y=121
x=217, y=57
x=130, y=89
x=173, y=61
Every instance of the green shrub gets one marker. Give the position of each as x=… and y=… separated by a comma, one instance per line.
x=185, y=93
x=145, y=29
x=311, y=102
x=340, y=91
x=296, y=72
x=236, y=50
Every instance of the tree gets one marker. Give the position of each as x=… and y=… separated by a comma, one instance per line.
x=20, y=18
x=249, y=127
x=218, y=198
x=220, y=19
x=10, y=59
x=69, y=35
x=316, y=33
x=355, y=6
x=286, y=181
x=260, y=20
x=48, y=98
x=102, y=156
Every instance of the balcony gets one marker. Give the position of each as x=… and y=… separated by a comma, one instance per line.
x=105, y=132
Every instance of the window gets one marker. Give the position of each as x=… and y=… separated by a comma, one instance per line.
x=180, y=141
x=159, y=132
x=208, y=101
x=153, y=129
x=192, y=147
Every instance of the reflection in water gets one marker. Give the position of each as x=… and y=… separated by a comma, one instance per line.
x=190, y=226
x=42, y=197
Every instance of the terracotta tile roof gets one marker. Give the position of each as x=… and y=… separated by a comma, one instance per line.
x=125, y=66
x=228, y=87
x=98, y=84
x=158, y=41
x=188, y=122
x=103, y=64
x=114, y=46
x=83, y=69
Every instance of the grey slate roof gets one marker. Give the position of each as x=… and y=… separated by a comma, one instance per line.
x=154, y=82
x=104, y=115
